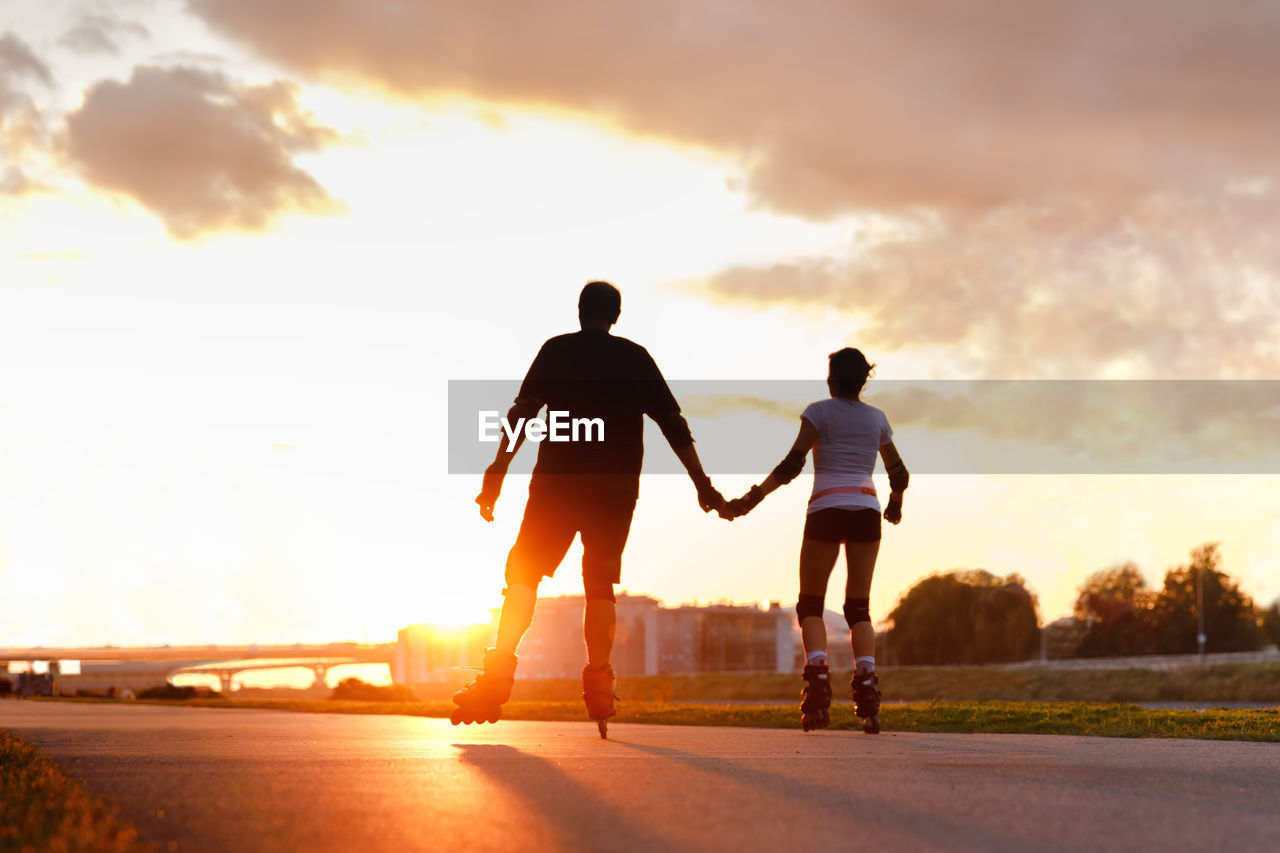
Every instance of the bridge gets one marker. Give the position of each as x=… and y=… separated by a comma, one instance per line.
x=224, y=662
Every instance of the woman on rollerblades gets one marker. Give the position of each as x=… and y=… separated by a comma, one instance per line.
x=845, y=435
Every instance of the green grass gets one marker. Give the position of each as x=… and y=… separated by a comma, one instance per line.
x=1060, y=718
x=1256, y=682
x=41, y=809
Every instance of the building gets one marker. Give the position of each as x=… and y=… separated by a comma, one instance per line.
x=426, y=653
x=650, y=639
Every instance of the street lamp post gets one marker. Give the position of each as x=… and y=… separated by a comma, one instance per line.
x=1200, y=635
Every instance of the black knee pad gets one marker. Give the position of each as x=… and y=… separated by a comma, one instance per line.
x=598, y=590
x=857, y=610
x=809, y=605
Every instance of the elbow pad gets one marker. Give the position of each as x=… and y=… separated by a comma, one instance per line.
x=789, y=468
x=675, y=428
x=898, y=477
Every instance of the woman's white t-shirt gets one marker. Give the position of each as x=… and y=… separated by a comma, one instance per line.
x=850, y=433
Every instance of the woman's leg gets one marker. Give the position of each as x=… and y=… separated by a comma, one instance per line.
x=861, y=557
x=817, y=559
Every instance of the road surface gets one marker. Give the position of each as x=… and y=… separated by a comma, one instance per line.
x=196, y=779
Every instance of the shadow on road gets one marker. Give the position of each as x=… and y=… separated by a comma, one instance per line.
x=580, y=818
x=842, y=796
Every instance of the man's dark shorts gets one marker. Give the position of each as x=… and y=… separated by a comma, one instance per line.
x=837, y=524
x=599, y=509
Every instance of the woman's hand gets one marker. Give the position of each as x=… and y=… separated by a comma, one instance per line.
x=893, y=509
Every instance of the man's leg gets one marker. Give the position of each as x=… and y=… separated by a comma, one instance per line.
x=599, y=624
x=604, y=536
x=546, y=532
x=517, y=614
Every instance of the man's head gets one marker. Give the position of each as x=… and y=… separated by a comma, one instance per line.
x=599, y=305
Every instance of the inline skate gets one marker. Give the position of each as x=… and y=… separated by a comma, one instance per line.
x=481, y=701
x=815, y=704
x=865, y=694
x=597, y=692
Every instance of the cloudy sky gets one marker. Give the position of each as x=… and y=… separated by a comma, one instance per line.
x=246, y=243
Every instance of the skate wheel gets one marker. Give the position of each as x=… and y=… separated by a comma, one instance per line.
x=456, y=716
x=871, y=725
x=494, y=716
x=603, y=726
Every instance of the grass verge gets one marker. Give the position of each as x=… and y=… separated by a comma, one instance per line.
x=1059, y=718
x=41, y=809
x=1249, y=682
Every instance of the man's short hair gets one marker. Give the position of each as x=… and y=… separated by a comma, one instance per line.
x=599, y=300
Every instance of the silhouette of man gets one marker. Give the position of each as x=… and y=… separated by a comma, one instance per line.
x=579, y=487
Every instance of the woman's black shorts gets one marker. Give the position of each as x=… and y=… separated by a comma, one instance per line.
x=840, y=524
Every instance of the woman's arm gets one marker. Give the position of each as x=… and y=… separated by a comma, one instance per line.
x=786, y=471
x=793, y=463
x=898, y=479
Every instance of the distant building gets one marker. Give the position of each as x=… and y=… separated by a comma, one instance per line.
x=650, y=639
x=432, y=652
x=554, y=647
x=728, y=638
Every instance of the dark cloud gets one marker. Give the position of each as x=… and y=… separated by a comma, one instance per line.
x=97, y=33
x=200, y=152
x=840, y=106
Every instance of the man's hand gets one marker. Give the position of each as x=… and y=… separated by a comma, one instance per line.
x=893, y=509
x=709, y=497
x=490, y=489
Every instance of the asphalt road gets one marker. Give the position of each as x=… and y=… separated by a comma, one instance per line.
x=199, y=779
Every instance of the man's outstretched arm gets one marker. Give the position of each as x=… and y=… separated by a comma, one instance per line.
x=491, y=487
x=661, y=405
x=709, y=498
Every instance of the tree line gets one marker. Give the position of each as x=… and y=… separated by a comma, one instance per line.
x=973, y=616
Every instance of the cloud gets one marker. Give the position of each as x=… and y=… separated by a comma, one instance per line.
x=198, y=151
x=1169, y=287
x=96, y=33
x=1019, y=426
x=21, y=120
x=17, y=59
x=842, y=106
x=1076, y=187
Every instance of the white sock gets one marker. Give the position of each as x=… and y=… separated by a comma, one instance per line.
x=817, y=657
x=865, y=664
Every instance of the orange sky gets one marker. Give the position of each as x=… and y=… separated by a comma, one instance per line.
x=247, y=242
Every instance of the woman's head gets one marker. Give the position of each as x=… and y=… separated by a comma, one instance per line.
x=847, y=372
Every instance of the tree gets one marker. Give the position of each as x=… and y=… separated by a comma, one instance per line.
x=1115, y=605
x=965, y=617
x=1229, y=620
x=1063, y=637
x=1270, y=623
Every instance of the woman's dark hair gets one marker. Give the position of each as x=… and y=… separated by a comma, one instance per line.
x=847, y=372
x=599, y=300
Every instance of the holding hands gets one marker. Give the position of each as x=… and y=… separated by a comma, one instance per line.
x=743, y=505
